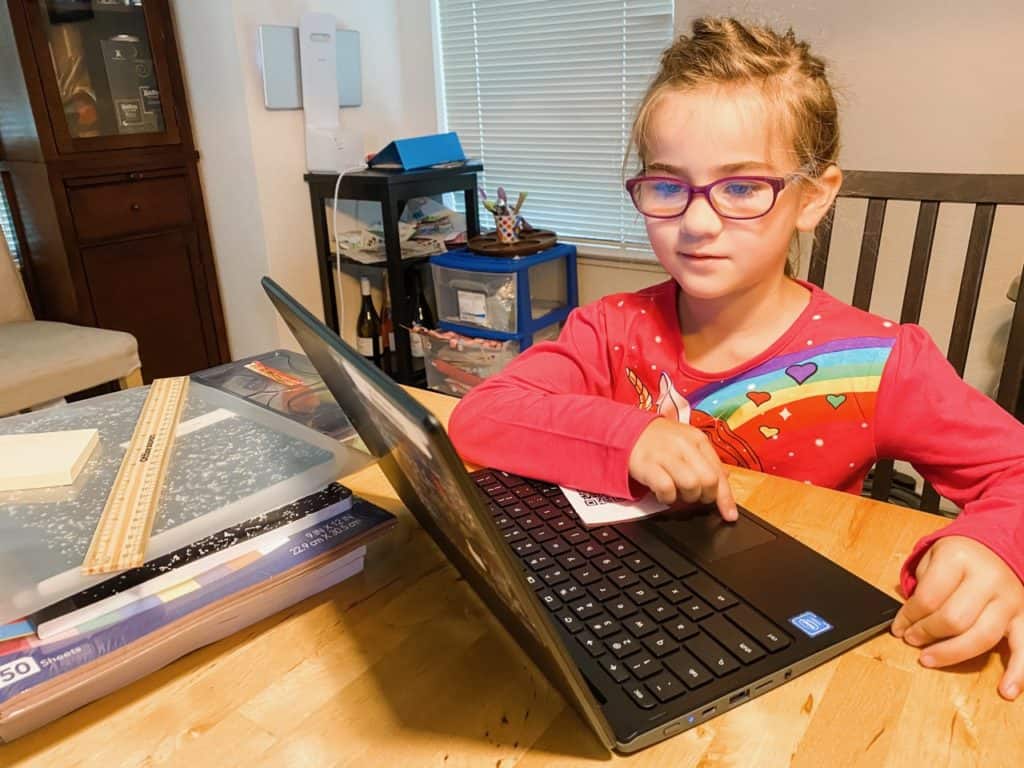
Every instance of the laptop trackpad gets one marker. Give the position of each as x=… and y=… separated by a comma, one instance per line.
x=703, y=534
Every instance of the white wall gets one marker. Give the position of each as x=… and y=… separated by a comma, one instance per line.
x=252, y=159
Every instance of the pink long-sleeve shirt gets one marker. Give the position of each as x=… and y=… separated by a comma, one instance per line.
x=839, y=390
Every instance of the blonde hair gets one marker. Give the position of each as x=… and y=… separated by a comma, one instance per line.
x=727, y=52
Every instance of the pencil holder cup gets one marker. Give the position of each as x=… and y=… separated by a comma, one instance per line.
x=505, y=225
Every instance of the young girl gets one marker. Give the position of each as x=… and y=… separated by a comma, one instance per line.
x=734, y=361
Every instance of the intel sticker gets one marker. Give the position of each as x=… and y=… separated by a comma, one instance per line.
x=810, y=623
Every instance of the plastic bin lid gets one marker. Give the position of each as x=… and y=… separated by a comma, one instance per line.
x=463, y=258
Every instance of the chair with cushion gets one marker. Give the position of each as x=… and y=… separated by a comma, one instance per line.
x=44, y=361
x=986, y=192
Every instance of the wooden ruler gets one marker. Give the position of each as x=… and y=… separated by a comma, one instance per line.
x=122, y=533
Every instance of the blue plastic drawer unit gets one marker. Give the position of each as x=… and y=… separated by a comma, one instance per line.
x=503, y=298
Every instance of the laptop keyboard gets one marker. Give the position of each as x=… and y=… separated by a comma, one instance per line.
x=656, y=628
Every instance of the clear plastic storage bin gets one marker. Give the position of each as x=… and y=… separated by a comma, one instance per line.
x=504, y=295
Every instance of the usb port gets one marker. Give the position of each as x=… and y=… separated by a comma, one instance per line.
x=736, y=698
x=708, y=712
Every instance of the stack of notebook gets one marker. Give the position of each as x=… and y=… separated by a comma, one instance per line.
x=120, y=630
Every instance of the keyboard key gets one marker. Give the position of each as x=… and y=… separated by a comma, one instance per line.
x=539, y=562
x=656, y=577
x=587, y=575
x=516, y=511
x=523, y=491
x=533, y=502
x=571, y=560
x=591, y=643
x=623, y=578
x=526, y=522
x=550, y=599
x=661, y=610
x=622, y=645
x=641, y=594
x=714, y=593
x=674, y=593
x=560, y=501
x=542, y=534
x=606, y=535
x=555, y=547
x=509, y=479
x=493, y=489
x=681, y=628
x=525, y=547
x=637, y=562
x=603, y=625
x=694, y=608
x=621, y=607
x=732, y=639
x=684, y=666
x=506, y=499
x=641, y=696
x=570, y=621
x=569, y=591
x=547, y=513
x=512, y=535
x=503, y=521
x=591, y=549
x=577, y=536
x=605, y=563
x=483, y=478
x=714, y=656
x=534, y=582
x=660, y=644
x=762, y=630
x=621, y=548
x=603, y=590
x=562, y=524
x=555, y=575
x=586, y=608
x=643, y=665
x=615, y=668
x=640, y=625
x=665, y=687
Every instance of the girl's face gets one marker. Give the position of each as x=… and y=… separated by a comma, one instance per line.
x=707, y=134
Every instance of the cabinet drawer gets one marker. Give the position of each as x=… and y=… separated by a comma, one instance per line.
x=107, y=211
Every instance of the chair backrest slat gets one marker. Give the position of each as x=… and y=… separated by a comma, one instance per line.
x=874, y=220
x=819, y=251
x=1011, y=394
x=970, y=285
x=920, y=258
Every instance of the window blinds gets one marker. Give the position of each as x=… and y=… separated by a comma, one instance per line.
x=7, y=227
x=544, y=94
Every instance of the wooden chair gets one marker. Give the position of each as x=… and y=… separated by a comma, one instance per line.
x=44, y=361
x=985, y=192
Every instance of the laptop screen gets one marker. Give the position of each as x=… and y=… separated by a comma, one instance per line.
x=420, y=462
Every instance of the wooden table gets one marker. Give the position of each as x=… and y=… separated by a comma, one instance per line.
x=403, y=666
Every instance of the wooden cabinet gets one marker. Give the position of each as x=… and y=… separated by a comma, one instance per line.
x=98, y=160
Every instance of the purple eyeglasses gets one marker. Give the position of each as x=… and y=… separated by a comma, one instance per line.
x=734, y=197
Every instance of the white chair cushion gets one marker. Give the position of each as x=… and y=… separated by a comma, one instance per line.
x=44, y=361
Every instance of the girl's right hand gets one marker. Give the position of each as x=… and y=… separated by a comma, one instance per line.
x=679, y=465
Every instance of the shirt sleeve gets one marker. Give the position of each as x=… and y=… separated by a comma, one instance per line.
x=962, y=442
x=550, y=414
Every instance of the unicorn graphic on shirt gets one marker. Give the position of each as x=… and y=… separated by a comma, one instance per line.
x=671, y=404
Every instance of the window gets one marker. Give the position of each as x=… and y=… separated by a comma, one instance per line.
x=544, y=94
x=7, y=227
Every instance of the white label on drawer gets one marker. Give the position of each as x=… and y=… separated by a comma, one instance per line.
x=472, y=306
x=16, y=670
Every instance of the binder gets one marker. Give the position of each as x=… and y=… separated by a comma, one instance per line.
x=419, y=152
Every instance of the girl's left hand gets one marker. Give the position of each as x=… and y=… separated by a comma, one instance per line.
x=967, y=599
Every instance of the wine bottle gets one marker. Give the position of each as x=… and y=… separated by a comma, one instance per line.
x=387, y=329
x=420, y=314
x=368, y=325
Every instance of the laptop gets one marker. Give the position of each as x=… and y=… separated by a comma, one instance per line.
x=648, y=628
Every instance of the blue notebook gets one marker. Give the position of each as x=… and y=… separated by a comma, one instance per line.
x=419, y=152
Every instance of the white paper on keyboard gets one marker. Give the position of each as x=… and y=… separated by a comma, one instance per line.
x=596, y=509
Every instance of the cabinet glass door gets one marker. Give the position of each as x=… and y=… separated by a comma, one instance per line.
x=108, y=73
